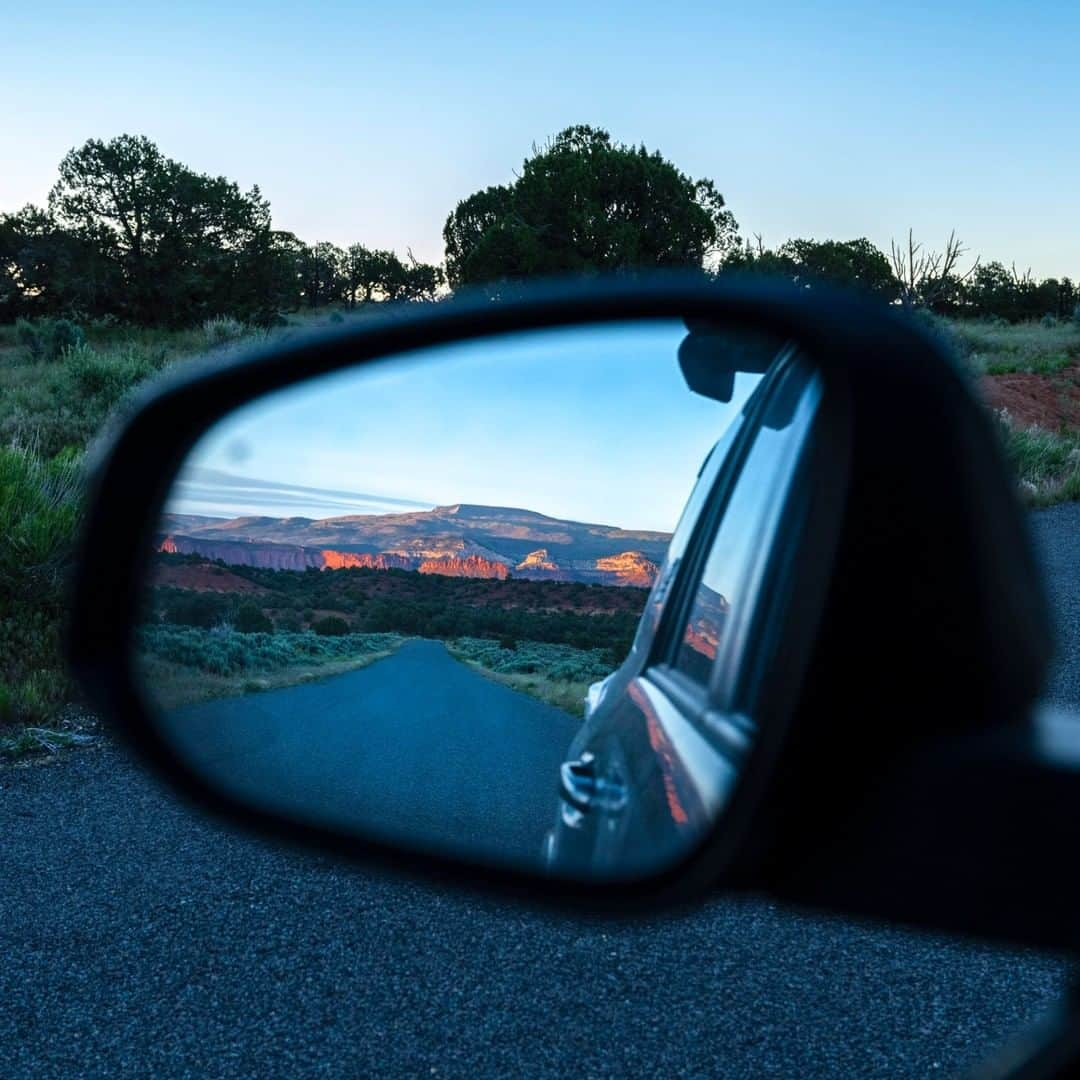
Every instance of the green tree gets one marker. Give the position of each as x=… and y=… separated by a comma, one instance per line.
x=47, y=270
x=851, y=263
x=584, y=203
x=177, y=238
x=369, y=275
x=330, y=626
x=251, y=620
x=322, y=274
x=363, y=271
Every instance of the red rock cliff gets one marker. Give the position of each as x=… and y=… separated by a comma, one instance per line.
x=629, y=568
x=472, y=566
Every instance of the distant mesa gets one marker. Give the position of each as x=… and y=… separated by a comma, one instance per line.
x=462, y=540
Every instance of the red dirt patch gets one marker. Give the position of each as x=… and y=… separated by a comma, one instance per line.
x=204, y=578
x=1049, y=401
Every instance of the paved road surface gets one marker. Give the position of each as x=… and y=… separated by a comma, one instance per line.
x=417, y=745
x=140, y=940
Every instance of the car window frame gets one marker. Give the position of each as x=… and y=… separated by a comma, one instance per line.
x=697, y=700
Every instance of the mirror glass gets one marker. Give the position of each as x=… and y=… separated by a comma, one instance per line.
x=420, y=599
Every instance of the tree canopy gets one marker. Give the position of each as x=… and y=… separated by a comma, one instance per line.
x=135, y=235
x=583, y=204
x=852, y=263
x=132, y=235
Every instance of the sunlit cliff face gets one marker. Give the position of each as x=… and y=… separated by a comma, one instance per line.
x=472, y=566
x=457, y=541
x=537, y=560
x=629, y=568
x=624, y=568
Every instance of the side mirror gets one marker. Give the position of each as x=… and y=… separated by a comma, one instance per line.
x=486, y=591
x=711, y=355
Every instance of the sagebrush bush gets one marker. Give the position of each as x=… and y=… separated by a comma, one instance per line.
x=47, y=339
x=40, y=504
x=106, y=375
x=561, y=662
x=230, y=652
x=29, y=336
x=1046, y=463
x=67, y=403
x=40, y=508
x=222, y=329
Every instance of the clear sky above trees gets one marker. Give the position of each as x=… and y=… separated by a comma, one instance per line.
x=835, y=119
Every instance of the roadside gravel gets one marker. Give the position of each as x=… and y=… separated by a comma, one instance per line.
x=142, y=940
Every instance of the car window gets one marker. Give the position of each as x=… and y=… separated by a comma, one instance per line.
x=680, y=539
x=742, y=538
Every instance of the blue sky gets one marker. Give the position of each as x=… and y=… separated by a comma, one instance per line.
x=368, y=123
x=592, y=424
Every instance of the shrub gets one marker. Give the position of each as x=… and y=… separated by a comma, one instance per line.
x=64, y=335
x=251, y=620
x=40, y=506
x=183, y=608
x=330, y=626
x=222, y=330
x=1046, y=463
x=1076, y=315
x=30, y=338
x=230, y=653
x=40, y=502
x=1048, y=320
x=108, y=376
x=47, y=339
x=564, y=663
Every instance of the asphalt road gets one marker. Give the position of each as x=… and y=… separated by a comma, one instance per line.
x=139, y=939
x=417, y=747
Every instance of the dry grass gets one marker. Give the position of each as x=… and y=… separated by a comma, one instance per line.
x=1047, y=463
x=568, y=696
x=169, y=686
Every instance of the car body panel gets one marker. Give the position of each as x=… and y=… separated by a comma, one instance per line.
x=652, y=730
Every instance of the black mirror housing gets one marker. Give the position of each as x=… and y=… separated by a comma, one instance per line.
x=923, y=519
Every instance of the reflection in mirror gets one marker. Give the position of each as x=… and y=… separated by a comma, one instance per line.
x=406, y=600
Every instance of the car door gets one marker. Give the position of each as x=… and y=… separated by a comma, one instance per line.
x=661, y=750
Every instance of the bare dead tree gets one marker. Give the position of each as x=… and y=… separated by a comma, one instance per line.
x=1021, y=280
x=925, y=276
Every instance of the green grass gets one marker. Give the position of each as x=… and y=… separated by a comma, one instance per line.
x=64, y=401
x=1046, y=462
x=556, y=674
x=51, y=406
x=993, y=348
x=40, y=506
